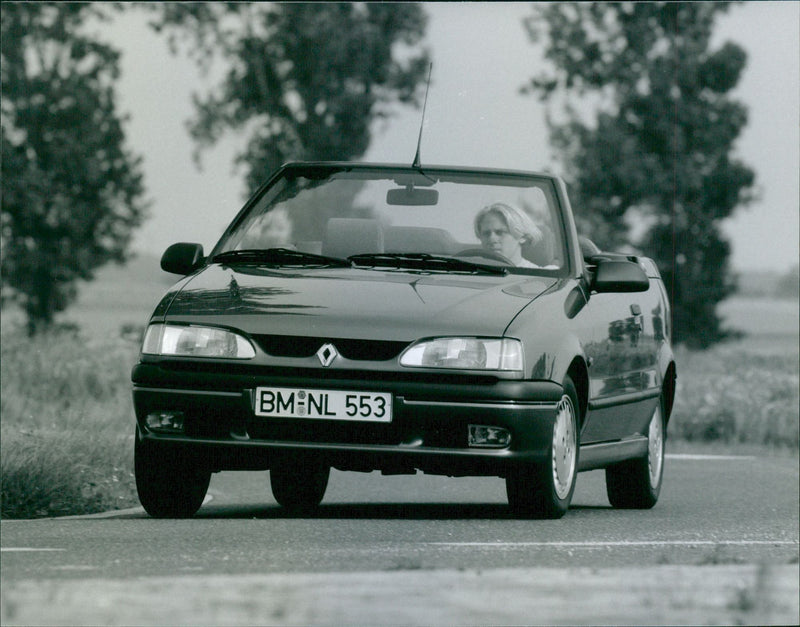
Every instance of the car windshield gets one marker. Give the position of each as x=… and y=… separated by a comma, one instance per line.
x=399, y=218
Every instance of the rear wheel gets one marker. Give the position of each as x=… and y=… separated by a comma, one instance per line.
x=636, y=484
x=545, y=490
x=171, y=482
x=298, y=482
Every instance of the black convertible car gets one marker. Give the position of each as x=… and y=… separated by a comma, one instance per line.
x=383, y=317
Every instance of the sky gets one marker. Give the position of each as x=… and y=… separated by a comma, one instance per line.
x=475, y=116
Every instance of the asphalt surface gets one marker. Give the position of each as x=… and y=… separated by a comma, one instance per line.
x=733, y=516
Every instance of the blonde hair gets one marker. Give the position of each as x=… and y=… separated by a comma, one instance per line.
x=519, y=223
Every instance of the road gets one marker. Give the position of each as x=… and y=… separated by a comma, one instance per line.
x=721, y=546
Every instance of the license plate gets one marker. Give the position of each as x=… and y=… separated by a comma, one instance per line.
x=323, y=404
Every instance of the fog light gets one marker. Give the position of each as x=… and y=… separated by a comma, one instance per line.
x=165, y=421
x=481, y=435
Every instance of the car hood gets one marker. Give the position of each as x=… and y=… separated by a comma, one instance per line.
x=388, y=305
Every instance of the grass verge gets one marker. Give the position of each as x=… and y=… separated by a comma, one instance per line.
x=66, y=443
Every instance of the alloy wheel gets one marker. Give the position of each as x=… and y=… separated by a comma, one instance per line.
x=564, y=447
x=655, y=446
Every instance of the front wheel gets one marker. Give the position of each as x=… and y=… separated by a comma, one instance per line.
x=545, y=490
x=298, y=483
x=636, y=484
x=171, y=482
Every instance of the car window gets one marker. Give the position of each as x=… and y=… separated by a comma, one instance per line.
x=353, y=212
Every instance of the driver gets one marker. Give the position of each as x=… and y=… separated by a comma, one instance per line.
x=504, y=229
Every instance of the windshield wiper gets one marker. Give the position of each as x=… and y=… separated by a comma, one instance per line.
x=424, y=261
x=280, y=257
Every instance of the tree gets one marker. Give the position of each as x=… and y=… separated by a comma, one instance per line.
x=71, y=192
x=302, y=80
x=646, y=135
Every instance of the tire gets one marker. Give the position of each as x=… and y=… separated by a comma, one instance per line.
x=170, y=481
x=298, y=483
x=545, y=490
x=636, y=484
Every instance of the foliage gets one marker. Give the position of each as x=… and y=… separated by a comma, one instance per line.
x=302, y=80
x=658, y=147
x=71, y=192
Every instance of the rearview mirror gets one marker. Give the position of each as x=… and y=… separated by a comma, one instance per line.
x=182, y=258
x=614, y=275
x=412, y=196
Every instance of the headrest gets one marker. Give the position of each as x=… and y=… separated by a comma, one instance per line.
x=419, y=239
x=352, y=236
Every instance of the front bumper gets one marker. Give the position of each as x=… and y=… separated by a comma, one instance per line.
x=428, y=431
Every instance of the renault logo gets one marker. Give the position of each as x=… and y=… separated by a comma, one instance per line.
x=326, y=354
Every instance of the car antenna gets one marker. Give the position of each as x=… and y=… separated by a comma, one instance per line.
x=417, y=164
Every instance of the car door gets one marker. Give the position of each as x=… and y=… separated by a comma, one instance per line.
x=621, y=355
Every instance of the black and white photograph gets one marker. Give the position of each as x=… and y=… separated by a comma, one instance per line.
x=400, y=313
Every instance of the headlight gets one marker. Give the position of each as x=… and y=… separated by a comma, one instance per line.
x=467, y=353
x=186, y=341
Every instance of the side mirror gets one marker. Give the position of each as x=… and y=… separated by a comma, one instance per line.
x=182, y=258
x=614, y=275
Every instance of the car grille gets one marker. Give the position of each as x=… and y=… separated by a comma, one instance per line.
x=359, y=350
